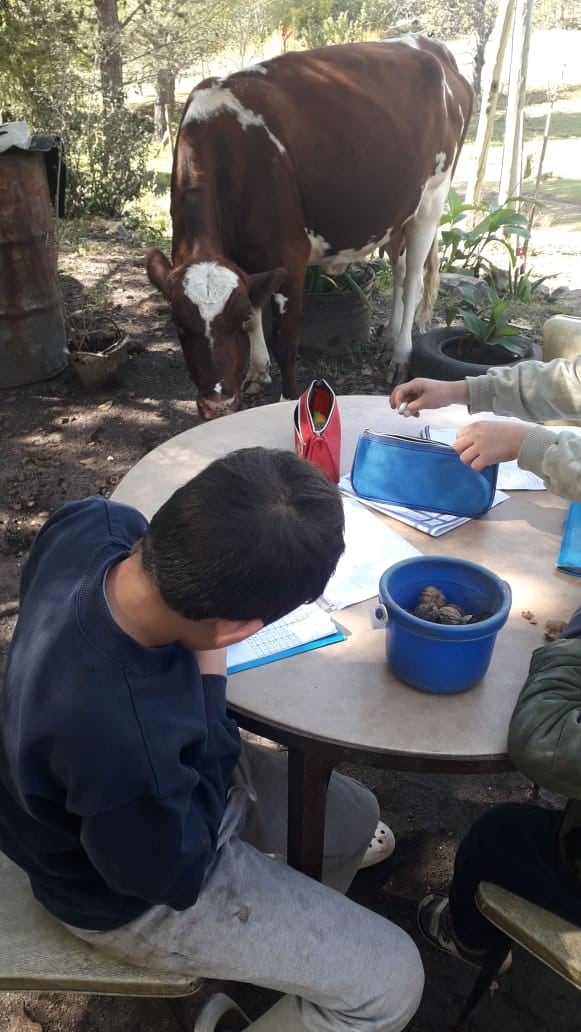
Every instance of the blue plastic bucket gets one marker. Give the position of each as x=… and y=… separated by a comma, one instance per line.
x=442, y=657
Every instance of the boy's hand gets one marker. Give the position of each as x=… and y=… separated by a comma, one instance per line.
x=212, y=662
x=428, y=394
x=485, y=442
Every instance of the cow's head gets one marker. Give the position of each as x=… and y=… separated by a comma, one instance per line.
x=211, y=305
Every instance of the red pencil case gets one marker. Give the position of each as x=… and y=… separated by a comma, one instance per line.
x=318, y=428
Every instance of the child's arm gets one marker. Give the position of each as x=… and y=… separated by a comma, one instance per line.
x=535, y=391
x=544, y=739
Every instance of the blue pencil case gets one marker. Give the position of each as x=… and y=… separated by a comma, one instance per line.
x=420, y=474
x=569, y=558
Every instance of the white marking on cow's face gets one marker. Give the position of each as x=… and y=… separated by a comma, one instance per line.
x=218, y=387
x=281, y=301
x=208, y=286
x=439, y=162
x=319, y=247
x=208, y=103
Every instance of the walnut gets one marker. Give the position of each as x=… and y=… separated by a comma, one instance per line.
x=451, y=614
x=431, y=594
x=553, y=629
x=428, y=611
x=477, y=617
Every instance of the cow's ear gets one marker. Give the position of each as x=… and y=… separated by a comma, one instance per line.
x=262, y=285
x=158, y=268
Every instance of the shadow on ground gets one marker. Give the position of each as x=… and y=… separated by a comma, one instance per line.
x=60, y=443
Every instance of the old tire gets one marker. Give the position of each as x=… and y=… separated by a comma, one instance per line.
x=429, y=358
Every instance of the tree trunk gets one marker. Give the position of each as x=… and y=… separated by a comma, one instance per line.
x=111, y=68
x=512, y=151
x=164, y=105
x=478, y=66
x=110, y=60
x=490, y=93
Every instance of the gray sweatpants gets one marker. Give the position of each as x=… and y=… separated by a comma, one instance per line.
x=256, y=920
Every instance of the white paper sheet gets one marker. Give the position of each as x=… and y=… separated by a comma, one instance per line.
x=370, y=548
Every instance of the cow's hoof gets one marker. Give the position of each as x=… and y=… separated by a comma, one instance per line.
x=255, y=381
x=397, y=372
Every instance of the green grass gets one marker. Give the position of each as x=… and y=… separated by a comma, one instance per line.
x=568, y=190
x=565, y=124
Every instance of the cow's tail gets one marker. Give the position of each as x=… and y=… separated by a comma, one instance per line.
x=431, y=284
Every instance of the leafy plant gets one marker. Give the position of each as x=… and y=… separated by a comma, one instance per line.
x=319, y=282
x=521, y=286
x=468, y=250
x=383, y=281
x=486, y=319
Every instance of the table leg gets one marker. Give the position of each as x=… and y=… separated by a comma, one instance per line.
x=308, y=779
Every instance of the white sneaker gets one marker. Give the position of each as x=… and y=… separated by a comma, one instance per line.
x=215, y=1009
x=381, y=846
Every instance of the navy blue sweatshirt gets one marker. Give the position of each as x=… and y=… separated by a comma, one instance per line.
x=115, y=759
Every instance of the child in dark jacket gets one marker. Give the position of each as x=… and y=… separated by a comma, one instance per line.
x=125, y=794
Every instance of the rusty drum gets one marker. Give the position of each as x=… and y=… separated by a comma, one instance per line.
x=32, y=327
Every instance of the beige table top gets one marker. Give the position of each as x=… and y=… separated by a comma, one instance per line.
x=345, y=693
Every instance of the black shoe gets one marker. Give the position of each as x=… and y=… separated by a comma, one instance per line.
x=435, y=924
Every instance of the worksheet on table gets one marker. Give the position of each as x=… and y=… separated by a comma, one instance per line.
x=370, y=548
x=305, y=628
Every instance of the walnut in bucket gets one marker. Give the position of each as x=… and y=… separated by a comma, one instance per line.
x=451, y=614
x=431, y=594
x=428, y=611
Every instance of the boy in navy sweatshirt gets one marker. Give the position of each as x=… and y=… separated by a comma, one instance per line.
x=124, y=793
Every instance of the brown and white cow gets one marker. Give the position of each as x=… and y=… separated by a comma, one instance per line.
x=313, y=158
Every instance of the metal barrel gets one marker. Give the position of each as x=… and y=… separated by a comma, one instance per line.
x=32, y=326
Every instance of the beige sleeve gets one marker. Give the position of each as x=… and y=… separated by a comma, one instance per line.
x=535, y=391
x=556, y=458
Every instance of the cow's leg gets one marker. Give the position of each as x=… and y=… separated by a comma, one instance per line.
x=285, y=335
x=259, y=369
x=395, y=319
x=420, y=232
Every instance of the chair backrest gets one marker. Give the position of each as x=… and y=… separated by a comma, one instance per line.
x=555, y=942
x=37, y=952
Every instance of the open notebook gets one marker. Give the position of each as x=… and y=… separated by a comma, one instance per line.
x=307, y=627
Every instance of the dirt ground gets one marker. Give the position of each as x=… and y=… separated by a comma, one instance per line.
x=60, y=442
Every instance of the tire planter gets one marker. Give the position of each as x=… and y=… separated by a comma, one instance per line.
x=435, y=355
x=332, y=324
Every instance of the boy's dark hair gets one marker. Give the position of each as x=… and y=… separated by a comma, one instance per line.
x=253, y=536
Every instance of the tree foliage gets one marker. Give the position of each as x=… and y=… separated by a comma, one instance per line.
x=79, y=67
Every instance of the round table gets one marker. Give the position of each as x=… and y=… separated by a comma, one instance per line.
x=342, y=702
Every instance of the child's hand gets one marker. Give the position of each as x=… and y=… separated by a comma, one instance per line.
x=428, y=394
x=485, y=442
